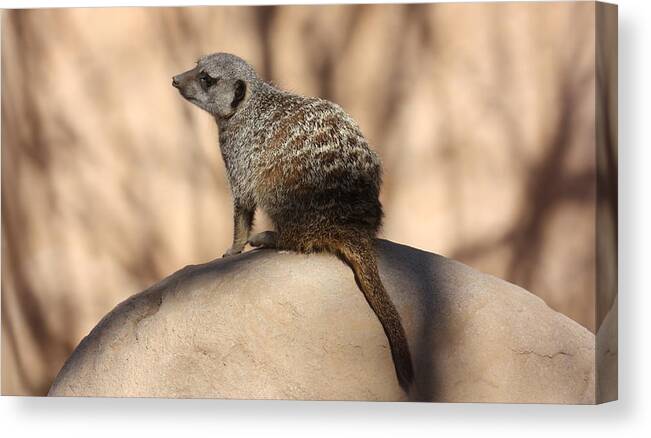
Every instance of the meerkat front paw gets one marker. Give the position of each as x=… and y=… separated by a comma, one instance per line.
x=233, y=251
x=266, y=239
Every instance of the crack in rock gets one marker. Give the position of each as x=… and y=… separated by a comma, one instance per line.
x=547, y=356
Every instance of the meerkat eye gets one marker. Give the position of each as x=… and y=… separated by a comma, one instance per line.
x=206, y=80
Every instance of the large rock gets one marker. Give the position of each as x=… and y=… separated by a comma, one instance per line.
x=280, y=325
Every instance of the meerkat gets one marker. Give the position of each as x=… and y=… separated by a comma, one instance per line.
x=305, y=162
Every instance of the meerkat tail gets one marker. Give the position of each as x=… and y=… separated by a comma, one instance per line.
x=360, y=256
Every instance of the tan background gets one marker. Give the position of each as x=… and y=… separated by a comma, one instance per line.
x=483, y=116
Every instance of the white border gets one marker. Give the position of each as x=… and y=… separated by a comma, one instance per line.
x=631, y=416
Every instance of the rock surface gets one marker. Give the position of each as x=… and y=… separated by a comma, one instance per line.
x=278, y=325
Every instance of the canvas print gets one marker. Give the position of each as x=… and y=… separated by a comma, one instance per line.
x=410, y=202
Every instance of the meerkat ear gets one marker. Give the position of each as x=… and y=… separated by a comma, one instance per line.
x=239, y=92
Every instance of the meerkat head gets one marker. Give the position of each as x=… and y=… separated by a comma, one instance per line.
x=220, y=83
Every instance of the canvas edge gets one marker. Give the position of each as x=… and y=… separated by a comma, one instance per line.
x=606, y=136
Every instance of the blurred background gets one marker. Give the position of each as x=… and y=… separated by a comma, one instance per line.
x=483, y=114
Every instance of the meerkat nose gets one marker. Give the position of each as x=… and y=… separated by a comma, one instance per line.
x=175, y=82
